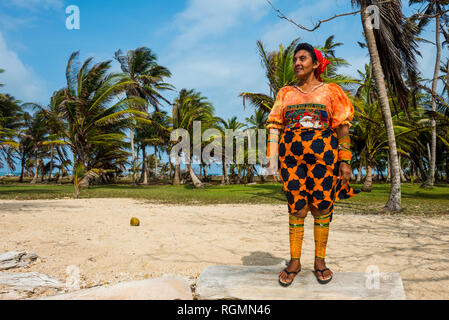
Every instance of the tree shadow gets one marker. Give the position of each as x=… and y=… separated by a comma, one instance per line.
x=425, y=195
x=259, y=258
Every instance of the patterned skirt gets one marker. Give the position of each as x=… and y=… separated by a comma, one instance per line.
x=309, y=167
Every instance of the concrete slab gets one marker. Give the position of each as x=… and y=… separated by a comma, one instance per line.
x=261, y=282
x=170, y=288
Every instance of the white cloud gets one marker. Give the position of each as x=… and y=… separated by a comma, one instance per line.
x=211, y=58
x=202, y=18
x=219, y=77
x=19, y=79
x=8, y=22
x=37, y=4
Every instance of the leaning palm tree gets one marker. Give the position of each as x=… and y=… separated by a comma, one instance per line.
x=392, y=53
x=140, y=65
x=92, y=118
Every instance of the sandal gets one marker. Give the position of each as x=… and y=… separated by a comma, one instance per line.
x=322, y=274
x=286, y=284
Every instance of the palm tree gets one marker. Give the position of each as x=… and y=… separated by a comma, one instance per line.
x=223, y=125
x=157, y=135
x=391, y=54
x=10, y=122
x=279, y=72
x=444, y=68
x=37, y=133
x=188, y=107
x=140, y=65
x=330, y=74
x=52, y=115
x=436, y=8
x=257, y=121
x=91, y=119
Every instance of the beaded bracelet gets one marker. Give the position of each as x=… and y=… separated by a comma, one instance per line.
x=346, y=136
x=344, y=154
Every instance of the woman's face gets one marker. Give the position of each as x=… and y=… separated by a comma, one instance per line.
x=303, y=65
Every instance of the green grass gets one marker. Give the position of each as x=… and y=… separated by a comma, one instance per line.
x=414, y=199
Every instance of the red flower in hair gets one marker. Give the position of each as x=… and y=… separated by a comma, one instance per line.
x=323, y=64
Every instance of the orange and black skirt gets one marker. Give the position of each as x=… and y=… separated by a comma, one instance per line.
x=309, y=168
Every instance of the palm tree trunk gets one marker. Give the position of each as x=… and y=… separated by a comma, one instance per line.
x=394, y=200
x=226, y=175
x=431, y=175
x=170, y=166
x=155, y=162
x=359, y=173
x=131, y=138
x=389, y=169
x=403, y=178
x=35, y=168
x=222, y=174
x=51, y=163
x=22, y=164
x=421, y=170
x=60, y=166
x=176, y=178
x=144, y=173
x=367, y=185
x=196, y=182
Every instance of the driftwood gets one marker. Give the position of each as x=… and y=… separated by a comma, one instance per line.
x=13, y=259
x=22, y=285
x=29, y=280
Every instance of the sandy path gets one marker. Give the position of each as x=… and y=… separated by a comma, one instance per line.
x=95, y=236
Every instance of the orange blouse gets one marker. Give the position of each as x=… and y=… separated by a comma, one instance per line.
x=325, y=106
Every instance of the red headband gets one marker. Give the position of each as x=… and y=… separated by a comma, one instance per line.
x=323, y=64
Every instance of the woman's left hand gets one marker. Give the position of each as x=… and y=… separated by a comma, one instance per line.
x=344, y=172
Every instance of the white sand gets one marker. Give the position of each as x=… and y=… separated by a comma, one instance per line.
x=95, y=235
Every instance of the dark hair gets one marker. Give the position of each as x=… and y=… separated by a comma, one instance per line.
x=307, y=47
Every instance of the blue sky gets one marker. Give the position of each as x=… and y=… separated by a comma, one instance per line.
x=208, y=45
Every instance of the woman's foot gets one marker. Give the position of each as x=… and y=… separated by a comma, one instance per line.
x=293, y=266
x=325, y=274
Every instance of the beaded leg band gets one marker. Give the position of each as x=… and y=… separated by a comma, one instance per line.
x=321, y=234
x=296, y=231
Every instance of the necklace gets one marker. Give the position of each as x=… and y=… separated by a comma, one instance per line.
x=316, y=87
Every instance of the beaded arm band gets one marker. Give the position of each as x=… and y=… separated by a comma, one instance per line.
x=344, y=151
x=273, y=138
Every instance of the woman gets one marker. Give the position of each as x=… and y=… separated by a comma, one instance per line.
x=309, y=142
